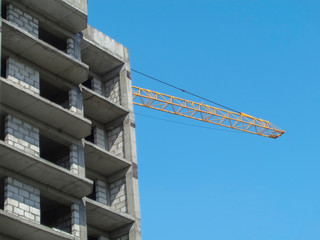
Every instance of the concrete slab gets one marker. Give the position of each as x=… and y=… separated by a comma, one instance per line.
x=44, y=110
x=70, y=14
x=104, y=217
x=101, y=52
x=99, y=108
x=102, y=161
x=19, y=228
x=44, y=171
x=43, y=54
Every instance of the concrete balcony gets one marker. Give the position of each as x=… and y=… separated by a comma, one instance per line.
x=20, y=228
x=69, y=14
x=104, y=217
x=44, y=171
x=35, y=106
x=43, y=54
x=101, y=52
x=99, y=108
x=102, y=161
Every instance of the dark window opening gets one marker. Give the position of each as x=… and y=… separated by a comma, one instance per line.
x=54, y=94
x=3, y=67
x=2, y=193
x=93, y=194
x=90, y=138
x=53, y=40
x=55, y=215
x=88, y=83
x=54, y=152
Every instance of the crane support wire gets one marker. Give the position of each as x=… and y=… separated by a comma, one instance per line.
x=182, y=90
x=205, y=113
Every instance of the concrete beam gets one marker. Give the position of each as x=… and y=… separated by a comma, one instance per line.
x=99, y=108
x=23, y=229
x=44, y=110
x=102, y=161
x=44, y=171
x=105, y=217
x=43, y=54
x=70, y=14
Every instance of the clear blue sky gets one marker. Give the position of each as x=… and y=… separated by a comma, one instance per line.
x=259, y=57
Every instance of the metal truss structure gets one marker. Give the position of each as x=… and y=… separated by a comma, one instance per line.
x=205, y=113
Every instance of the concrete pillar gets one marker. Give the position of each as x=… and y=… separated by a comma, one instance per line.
x=103, y=238
x=22, y=135
x=22, y=199
x=23, y=20
x=96, y=85
x=79, y=220
x=76, y=100
x=74, y=46
x=77, y=164
x=99, y=137
x=118, y=195
x=23, y=75
x=101, y=191
x=115, y=139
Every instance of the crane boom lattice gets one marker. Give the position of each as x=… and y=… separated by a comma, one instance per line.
x=205, y=113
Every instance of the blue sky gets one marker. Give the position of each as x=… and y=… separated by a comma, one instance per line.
x=258, y=57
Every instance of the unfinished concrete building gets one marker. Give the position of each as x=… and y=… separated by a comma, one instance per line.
x=68, y=167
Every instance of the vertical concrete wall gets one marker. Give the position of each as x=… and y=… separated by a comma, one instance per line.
x=77, y=165
x=22, y=199
x=23, y=75
x=23, y=20
x=74, y=46
x=22, y=135
x=118, y=195
x=76, y=100
x=99, y=136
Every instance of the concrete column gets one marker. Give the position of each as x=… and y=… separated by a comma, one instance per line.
x=99, y=137
x=115, y=139
x=130, y=150
x=79, y=220
x=96, y=85
x=101, y=192
x=77, y=164
x=74, y=46
x=22, y=199
x=76, y=100
x=23, y=20
x=22, y=135
x=23, y=75
x=103, y=238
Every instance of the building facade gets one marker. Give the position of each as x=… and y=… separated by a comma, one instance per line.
x=68, y=165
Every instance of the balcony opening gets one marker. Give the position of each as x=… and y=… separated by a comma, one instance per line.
x=93, y=194
x=55, y=215
x=52, y=39
x=88, y=83
x=54, y=152
x=54, y=94
x=4, y=11
x=92, y=238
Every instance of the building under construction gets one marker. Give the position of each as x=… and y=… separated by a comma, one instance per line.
x=68, y=166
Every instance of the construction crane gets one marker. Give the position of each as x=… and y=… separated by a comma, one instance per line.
x=202, y=112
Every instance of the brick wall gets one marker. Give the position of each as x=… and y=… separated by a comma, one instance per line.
x=115, y=139
x=22, y=135
x=23, y=75
x=75, y=220
x=112, y=90
x=96, y=85
x=22, y=199
x=23, y=20
x=118, y=195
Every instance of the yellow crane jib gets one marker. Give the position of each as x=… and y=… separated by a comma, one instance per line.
x=205, y=113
